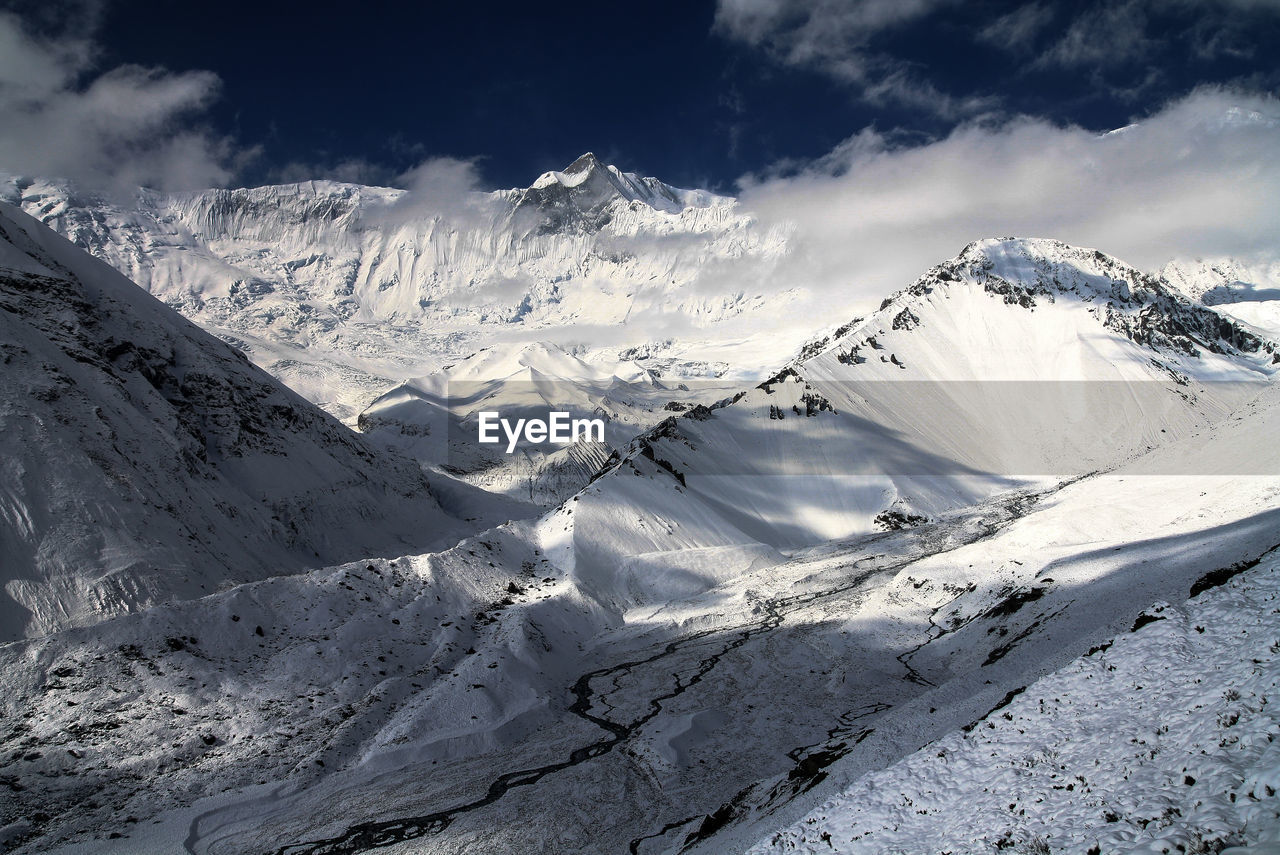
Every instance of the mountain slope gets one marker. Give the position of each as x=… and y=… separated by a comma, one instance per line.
x=145, y=461
x=1017, y=361
x=1064, y=765
x=475, y=699
x=659, y=664
x=434, y=418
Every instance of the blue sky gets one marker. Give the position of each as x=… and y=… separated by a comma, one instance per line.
x=697, y=93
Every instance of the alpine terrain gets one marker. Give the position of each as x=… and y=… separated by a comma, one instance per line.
x=339, y=288
x=990, y=567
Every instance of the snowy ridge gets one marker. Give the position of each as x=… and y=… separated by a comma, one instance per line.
x=591, y=184
x=1034, y=272
x=145, y=461
x=1016, y=361
x=1247, y=292
x=343, y=291
x=1219, y=281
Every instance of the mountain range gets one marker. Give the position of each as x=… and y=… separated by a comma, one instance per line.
x=340, y=288
x=795, y=571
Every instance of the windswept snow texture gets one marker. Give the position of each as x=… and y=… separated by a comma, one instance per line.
x=343, y=290
x=143, y=460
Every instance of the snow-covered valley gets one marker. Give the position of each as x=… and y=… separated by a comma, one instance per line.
x=502, y=697
x=759, y=614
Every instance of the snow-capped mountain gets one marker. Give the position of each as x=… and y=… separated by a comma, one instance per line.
x=1016, y=361
x=342, y=290
x=750, y=607
x=585, y=191
x=449, y=699
x=144, y=460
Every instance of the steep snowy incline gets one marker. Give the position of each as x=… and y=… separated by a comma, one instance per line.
x=1098, y=756
x=145, y=461
x=342, y=290
x=476, y=700
x=1016, y=361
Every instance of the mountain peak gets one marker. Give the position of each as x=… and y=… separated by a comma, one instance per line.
x=587, y=172
x=1036, y=273
x=586, y=163
x=588, y=184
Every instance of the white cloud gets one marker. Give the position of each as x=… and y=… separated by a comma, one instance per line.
x=444, y=188
x=440, y=178
x=1017, y=30
x=1199, y=178
x=835, y=37
x=495, y=291
x=125, y=127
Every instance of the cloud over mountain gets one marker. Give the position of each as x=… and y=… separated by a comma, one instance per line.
x=1201, y=175
x=111, y=129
